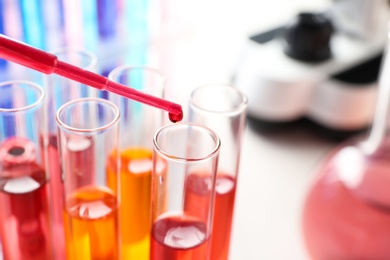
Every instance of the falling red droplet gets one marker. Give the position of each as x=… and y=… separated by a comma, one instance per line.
x=175, y=117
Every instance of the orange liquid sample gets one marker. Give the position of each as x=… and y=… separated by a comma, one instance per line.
x=135, y=174
x=91, y=225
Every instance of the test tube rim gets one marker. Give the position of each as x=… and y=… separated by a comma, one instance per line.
x=212, y=154
x=35, y=104
x=91, y=65
x=116, y=71
x=233, y=111
x=64, y=126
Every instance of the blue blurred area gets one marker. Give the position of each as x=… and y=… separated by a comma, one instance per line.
x=117, y=31
x=7, y=121
x=106, y=12
x=32, y=20
x=2, y=62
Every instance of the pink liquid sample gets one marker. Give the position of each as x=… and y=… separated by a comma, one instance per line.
x=178, y=238
x=198, y=187
x=347, y=211
x=25, y=216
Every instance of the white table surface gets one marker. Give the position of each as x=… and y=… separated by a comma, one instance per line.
x=202, y=45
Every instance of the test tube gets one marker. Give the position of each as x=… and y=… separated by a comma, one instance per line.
x=138, y=126
x=185, y=162
x=222, y=108
x=88, y=143
x=24, y=205
x=61, y=90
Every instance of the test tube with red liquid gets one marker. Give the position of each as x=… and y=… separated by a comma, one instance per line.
x=25, y=219
x=222, y=108
x=178, y=231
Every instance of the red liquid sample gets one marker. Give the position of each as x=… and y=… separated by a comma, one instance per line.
x=347, y=211
x=24, y=215
x=57, y=194
x=198, y=196
x=179, y=238
x=223, y=216
x=175, y=117
x=198, y=187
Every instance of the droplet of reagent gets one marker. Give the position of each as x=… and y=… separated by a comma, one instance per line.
x=175, y=117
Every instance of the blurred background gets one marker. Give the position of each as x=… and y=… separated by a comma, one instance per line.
x=200, y=42
x=196, y=41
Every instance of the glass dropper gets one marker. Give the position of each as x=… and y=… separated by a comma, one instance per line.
x=48, y=63
x=381, y=120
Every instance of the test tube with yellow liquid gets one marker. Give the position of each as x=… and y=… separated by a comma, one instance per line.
x=88, y=136
x=138, y=124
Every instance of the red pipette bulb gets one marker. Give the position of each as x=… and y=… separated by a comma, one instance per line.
x=48, y=63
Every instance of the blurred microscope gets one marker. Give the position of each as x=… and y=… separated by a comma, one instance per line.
x=319, y=70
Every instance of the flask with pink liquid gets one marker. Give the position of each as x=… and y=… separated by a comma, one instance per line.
x=346, y=214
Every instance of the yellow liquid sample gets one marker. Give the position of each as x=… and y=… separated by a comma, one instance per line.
x=91, y=224
x=135, y=179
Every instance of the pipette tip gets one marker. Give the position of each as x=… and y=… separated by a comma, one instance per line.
x=176, y=117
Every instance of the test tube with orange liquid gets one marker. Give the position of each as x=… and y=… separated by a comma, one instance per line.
x=138, y=125
x=59, y=91
x=88, y=134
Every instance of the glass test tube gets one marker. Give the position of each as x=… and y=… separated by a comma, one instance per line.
x=222, y=108
x=59, y=91
x=185, y=161
x=88, y=144
x=138, y=125
x=24, y=206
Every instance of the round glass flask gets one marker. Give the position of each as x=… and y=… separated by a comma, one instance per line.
x=346, y=213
